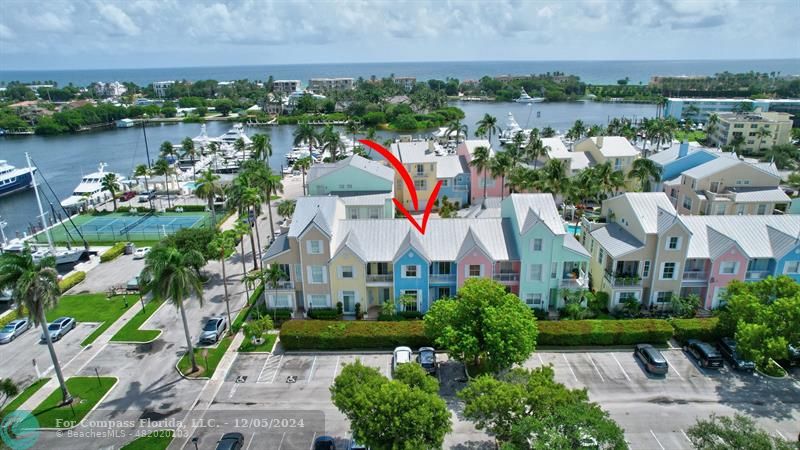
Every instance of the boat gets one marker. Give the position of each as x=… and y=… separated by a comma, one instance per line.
x=511, y=129
x=90, y=190
x=13, y=179
x=525, y=98
x=232, y=135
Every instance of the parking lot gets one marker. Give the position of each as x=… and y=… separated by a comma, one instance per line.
x=655, y=411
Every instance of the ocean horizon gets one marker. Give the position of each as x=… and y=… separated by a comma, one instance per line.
x=591, y=71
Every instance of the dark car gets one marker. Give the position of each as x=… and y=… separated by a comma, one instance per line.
x=704, y=353
x=652, y=359
x=127, y=196
x=727, y=346
x=324, y=443
x=231, y=441
x=794, y=354
x=426, y=357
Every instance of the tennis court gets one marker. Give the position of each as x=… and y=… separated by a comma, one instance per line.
x=127, y=227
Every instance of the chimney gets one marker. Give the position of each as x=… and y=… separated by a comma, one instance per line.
x=683, y=150
x=430, y=146
x=599, y=141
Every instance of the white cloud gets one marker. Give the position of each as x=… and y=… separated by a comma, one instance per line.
x=6, y=33
x=116, y=20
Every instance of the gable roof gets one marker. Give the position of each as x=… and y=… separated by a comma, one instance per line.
x=532, y=208
x=572, y=244
x=725, y=162
x=670, y=155
x=646, y=206
x=410, y=242
x=615, y=146
x=471, y=240
x=450, y=166
x=368, y=166
x=352, y=243
x=472, y=144
x=616, y=240
x=278, y=246
x=323, y=211
x=757, y=236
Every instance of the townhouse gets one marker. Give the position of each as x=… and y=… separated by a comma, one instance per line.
x=679, y=158
x=642, y=249
x=366, y=187
x=427, y=162
x=728, y=185
x=556, y=149
x=494, y=185
x=328, y=258
x=615, y=150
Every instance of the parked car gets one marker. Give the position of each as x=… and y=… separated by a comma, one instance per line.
x=213, y=330
x=704, y=353
x=727, y=346
x=14, y=329
x=401, y=355
x=324, y=443
x=59, y=327
x=652, y=359
x=356, y=446
x=426, y=357
x=794, y=354
x=127, y=196
x=133, y=284
x=147, y=196
x=230, y=441
x=141, y=252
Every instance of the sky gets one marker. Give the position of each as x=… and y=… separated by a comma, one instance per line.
x=95, y=34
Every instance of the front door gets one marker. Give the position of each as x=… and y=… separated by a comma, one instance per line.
x=553, y=299
x=349, y=302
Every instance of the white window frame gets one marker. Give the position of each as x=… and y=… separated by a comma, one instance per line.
x=530, y=272
x=326, y=301
x=472, y=266
x=659, y=298
x=686, y=199
x=421, y=184
x=554, y=270
x=674, y=273
x=645, y=269
x=414, y=293
x=533, y=300
x=723, y=265
x=788, y=265
x=677, y=243
x=761, y=209
x=404, y=270
x=537, y=242
x=310, y=247
x=322, y=271
x=343, y=271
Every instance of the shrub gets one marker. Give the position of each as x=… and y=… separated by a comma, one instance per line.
x=604, y=332
x=324, y=313
x=410, y=315
x=70, y=281
x=113, y=253
x=12, y=315
x=339, y=308
x=345, y=335
x=704, y=329
x=541, y=314
x=279, y=315
x=188, y=208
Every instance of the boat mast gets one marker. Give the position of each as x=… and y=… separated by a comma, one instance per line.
x=39, y=203
x=149, y=167
x=3, y=225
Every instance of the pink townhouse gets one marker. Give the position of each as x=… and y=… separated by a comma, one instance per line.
x=494, y=185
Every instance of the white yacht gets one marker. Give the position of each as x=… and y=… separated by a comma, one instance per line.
x=90, y=190
x=511, y=129
x=525, y=98
x=13, y=179
x=232, y=135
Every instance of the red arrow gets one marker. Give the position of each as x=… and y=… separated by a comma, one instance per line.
x=412, y=190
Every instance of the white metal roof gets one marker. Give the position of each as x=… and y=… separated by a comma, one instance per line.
x=774, y=195
x=751, y=233
x=536, y=206
x=372, y=167
x=324, y=209
x=616, y=240
x=472, y=144
x=450, y=166
x=645, y=206
x=615, y=146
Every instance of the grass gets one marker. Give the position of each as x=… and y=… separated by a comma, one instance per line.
x=209, y=356
x=13, y=405
x=130, y=332
x=269, y=342
x=157, y=440
x=699, y=136
x=87, y=392
x=92, y=308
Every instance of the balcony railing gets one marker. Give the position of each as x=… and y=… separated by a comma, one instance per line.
x=622, y=280
x=283, y=284
x=506, y=276
x=575, y=282
x=443, y=278
x=379, y=278
x=695, y=275
x=756, y=274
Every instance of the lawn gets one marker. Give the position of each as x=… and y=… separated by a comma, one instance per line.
x=697, y=135
x=23, y=396
x=92, y=308
x=87, y=392
x=206, y=355
x=157, y=440
x=269, y=341
x=130, y=332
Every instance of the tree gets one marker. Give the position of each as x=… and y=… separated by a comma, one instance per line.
x=302, y=165
x=262, y=147
x=187, y=145
x=262, y=177
x=9, y=389
x=548, y=132
x=535, y=149
x=762, y=133
x=239, y=145
x=272, y=278
x=416, y=377
x=167, y=150
x=111, y=183
x=487, y=126
x=484, y=327
x=306, y=134
x=208, y=188
x=255, y=329
x=353, y=128
x=785, y=156
x=646, y=171
x=390, y=415
x=554, y=177
x=500, y=166
x=577, y=131
x=286, y=208
x=222, y=245
x=162, y=167
x=332, y=143
x=223, y=107
x=246, y=200
x=240, y=230
x=739, y=431
x=35, y=286
x=170, y=274
x=684, y=306
x=143, y=171
x=455, y=127
x=481, y=161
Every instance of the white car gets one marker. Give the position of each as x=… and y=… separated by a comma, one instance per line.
x=140, y=253
x=401, y=355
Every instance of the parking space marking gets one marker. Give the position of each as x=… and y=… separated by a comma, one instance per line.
x=277, y=369
x=311, y=372
x=570, y=367
x=675, y=368
x=313, y=438
x=686, y=436
x=335, y=368
x=282, y=438
x=595, y=368
x=233, y=390
x=541, y=361
x=264, y=368
x=623, y=370
x=252, y=438
x=780, y=434
x=657, y=441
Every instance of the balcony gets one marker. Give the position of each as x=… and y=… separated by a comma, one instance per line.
x=620, y=280
x=506, y=276
x=283, y=285
x=575, y=281
x=695, y=275
x=442, y=278
x=380, y=278
x=756, y=275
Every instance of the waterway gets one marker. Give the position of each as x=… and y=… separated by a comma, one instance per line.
x=64, y=159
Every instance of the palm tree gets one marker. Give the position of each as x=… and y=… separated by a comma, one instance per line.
x=712, y=126
x=521, y=178
x=221, y=245
x=535, y=149
x=262, y=147
x=794, y=181
x=169, y=274
x=554, y=176
x=456, y=127
x=500, y=166
x=240, y=230
x=110, y=183
x=35, y=286
x=245, y=199
x=8, y=389
x=487, y=126
x=213, y=149
x=302, y=165
x=577, y=131
x=167, y=150
x=737, y=142
x=306, y=134
x=239, y=145
x=162, y=167
x=548, y=132
x=601, y=179
x=187, y=145
x=785, y=156
x=353, y=128
x=286, y=208
x=518, y=140
x=208, y=188
x=481, y=161
x=332, y=142
x=762, y=133
x=273, y=276
x=645, y=170
x=617, y=181
x=261, y=177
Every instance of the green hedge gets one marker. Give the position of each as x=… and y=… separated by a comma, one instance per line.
x=113, y=253
x=346, y=335
x=9, y=317
x=603, y=332
x=324, y=313
x=704, y=329
x=188, y=208
x=70, y=281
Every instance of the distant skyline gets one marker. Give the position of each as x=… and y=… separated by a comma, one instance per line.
x=96, y=34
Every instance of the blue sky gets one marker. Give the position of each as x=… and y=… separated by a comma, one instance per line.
x=95, y=34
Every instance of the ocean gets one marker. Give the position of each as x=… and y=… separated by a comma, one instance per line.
x=598, y=72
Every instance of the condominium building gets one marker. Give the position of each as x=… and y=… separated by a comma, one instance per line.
x=160, y=87
x=679, y=107
x=494, y=185
x=407, y=83
x=365, y=187
x=748, y=126
x=678, y=158
x=285, y=87
x=428, y=163
x=331, y=84
x=328, y=258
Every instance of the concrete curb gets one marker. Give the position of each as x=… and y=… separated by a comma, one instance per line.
x=116, y=380
x=160, y=332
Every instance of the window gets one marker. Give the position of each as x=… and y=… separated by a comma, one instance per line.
x=623, y=296
x=318, y=301
x=792, y=267
x=443, y=292
x=617, y=164
x=536, y=272
x=646, y=269
x=314, y=247
x=420, y=169
x=668, y=271
x=421, y=184
x=444, y=268
x=298, y=273
x=762, y=209
x=283, y=301
x=674, y=243
x=673, y=193
x=410, y=271
x=347, y=271
x=753, y=126
x=533, y=300
x=687, y=202
x=536, y=245
x=316, y=274
x=720, y=209
x=445, y=182
x=410, y=300
x=554, y=270
x=600, y=255
x=663, y=297
x=739, y=209
x=728, y=268
x=354, y=213
x=475, y=270
x=488, y=182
